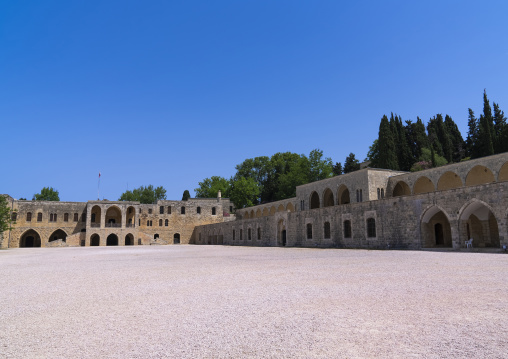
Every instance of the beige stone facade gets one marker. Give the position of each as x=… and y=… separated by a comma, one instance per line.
x=373, y=208
x=370, y=208
x=100, y=223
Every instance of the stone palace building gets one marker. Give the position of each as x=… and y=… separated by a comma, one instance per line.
x=371, y=208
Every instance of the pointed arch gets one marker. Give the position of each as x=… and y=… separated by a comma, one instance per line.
x=401, y=189
x=280, y=208
x=30, y=238
x=272, y=210
x=479, y=175
x=328, y=200
x=477, y=221
x=314, y=200
x=449, y=180
x=423, y=185
x=58, y=234
x=435, y=228
x=113, y=217
x=266, y=212
x=290, y=207
x=252, y=215
x=503, y=173
x=129, y=239
x=95, y=240
x=246, y=215
x=258, y=213
x=112, y=240
x=343, y=195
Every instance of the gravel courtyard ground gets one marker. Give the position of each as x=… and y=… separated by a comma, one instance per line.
x=237, y=302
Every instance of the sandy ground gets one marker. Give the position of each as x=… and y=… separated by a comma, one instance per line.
x=237, y=302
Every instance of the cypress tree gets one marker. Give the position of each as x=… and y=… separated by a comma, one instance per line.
x=386, y=144
x=457, y=142
x=472, y=135
x=500, y=144
x=485, y=143
x=404, y=157
x=489, y=119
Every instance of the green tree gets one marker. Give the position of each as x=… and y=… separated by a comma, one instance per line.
x=387, y=153
x=47, y=194
x=337, y=168
x=439, y=137
x=210, y=187
x=472, y=149
x=372, y=154
x=351, y=163
x=457, y=142
x=320, y=168
x=5, y=215
x=485, y=144
x=404, y=157
x=145, y=195
x=488, y=118
x=186, y=195
x=429, y=156
x=243, y=191
x=500, y=144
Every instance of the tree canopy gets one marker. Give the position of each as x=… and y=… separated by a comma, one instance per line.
x=145, y=195
x=186, y=195
x=210, y=187
x=47, y=194
x=5, y=214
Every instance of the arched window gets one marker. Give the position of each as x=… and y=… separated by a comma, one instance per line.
x=378, y=193
x=166, y=223
x=213, y=211
x=183, y=210
x=161, y=210
x=75, y=217
x=156, y=236
x=148, y=223
x=29, y=217
x=169, y=209
x=309, y=231
x=347, y=229
x=66, y=217
x=14, y=216
x=39, y=217
x=160, y=222
x=327, y=230
x=382, y=193
x=371, y=227
x=198, y=210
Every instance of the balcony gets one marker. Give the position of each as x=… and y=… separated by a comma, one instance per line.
x=95, y=225
x=113, y=225
x=130, y=225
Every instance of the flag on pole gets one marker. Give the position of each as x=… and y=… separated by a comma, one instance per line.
x=99, y=175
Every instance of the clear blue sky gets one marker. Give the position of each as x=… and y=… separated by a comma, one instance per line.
x=171, y=92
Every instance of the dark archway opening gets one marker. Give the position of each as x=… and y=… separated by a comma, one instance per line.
x=284, y=238
x=176, y=238
x=30, y=239
x=112, y=240
x=439, y=234
x=129, y=240
x=95, y=240
x=58, y=234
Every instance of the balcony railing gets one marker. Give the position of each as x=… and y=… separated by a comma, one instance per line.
x=130, y=225
x=113, y=225
x=95, y=225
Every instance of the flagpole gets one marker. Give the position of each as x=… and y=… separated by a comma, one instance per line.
x=98, y=187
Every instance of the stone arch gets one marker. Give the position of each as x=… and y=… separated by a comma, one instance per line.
x=246, y=215
x=272, y=210
x=176, y=238
x=314, y=200
x=449, y=180
x=265, y=212
x=281, y=233
x=423, y=185
x=258, y=213
x=435, y=228
x=252, y=215
x=95, y=217
x=477, y=221
x=290, y=207
x=112, y=240
x=30, y=238
x=401, y=189
x=328, y=200
x=131, y=216
x=58, y=234
x=280, y=208
x=503, y=173
x=113, y=217
x=95, y=240
x=129, y=239
x=343, y=195
x=479, y=175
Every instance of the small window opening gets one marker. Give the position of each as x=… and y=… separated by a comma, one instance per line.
x=309, y=231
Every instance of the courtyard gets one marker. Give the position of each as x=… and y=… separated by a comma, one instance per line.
x=246, y=302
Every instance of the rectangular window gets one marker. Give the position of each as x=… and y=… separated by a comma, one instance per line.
x=149, y=211
x=309, y=231
x=371, y=228
x=327, y=230
x=39, y=217
x=169, y=209
x=161, y=210
x=249, y=234
x=14, y=216
x=66, y=217
x=83, y=217
x=259, y=233
x=54, y=217
x=75, y=217
x=51, y=217
x=213, y=211
x=29, y=217
x=241, y=234
x=183, y=210
x=347, y=229
x=233, y=234
x=198, y=210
